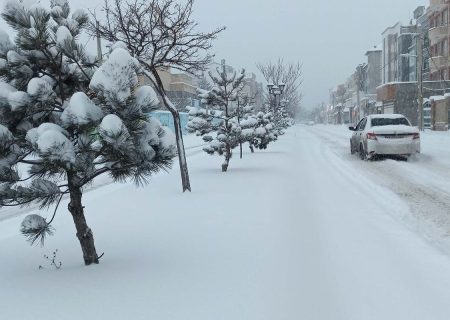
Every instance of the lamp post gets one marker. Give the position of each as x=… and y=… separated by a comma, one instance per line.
x=276, y=90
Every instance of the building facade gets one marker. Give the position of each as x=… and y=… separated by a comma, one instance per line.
x=181, y=88
x=254, y=90
x=390, y=53
x=401, y=97
x=398, y=64
x=439, y=34
x=374, y=70
x=422, y=26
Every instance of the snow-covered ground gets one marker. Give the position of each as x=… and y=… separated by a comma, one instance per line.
x=300, y=231
x=423, y=182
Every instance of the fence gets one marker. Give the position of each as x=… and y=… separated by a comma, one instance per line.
x=166, y=119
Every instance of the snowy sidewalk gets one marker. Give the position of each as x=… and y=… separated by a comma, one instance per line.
x=286, y=234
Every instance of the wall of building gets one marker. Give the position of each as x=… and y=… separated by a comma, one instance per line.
x=181, y=88
x=439, y=113
x=406, y=101
x=439, y=35
x=390, y=53
x=374, y=70
x=401, y=97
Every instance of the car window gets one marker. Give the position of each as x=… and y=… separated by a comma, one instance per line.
x=378, y=122
x=358, y=125
x=362, y=125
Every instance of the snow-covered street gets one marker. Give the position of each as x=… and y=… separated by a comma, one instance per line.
x=300, y=231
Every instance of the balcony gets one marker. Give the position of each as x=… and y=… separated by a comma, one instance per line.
x=438, y=63
x=438, y=5
x=439, y=33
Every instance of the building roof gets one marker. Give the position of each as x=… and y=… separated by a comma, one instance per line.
x=392, y=28
x=376, y=48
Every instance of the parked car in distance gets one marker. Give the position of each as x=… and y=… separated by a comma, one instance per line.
x=384, y=134
x=311, y=123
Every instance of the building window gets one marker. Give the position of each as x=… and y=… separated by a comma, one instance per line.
x=444, y=48
x=445, y=17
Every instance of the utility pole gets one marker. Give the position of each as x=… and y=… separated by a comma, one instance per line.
x=419, y=61
x=358, y=85
x=99, y=44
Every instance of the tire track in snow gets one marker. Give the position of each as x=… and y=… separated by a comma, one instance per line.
x=428, y=200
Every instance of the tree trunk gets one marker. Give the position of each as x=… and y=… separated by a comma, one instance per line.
x=84, y=233
x=252, y=149
x=240, y=149
x=157, y=83
x=186, y=184
x=227, y=158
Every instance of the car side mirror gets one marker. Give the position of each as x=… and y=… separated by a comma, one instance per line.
x=351, y=128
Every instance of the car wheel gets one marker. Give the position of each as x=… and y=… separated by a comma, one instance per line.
x=362, y=153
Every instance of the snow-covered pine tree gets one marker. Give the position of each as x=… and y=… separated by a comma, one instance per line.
x=265, y=131
x=248, y=124
x=281, y=119
x=222, y=108
x=258, y=129
x=247, y=120
x=64, y=122
x=200, y=121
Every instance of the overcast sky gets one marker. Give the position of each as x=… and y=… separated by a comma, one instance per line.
x=330, y=37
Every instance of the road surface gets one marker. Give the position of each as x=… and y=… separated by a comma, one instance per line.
x=360, y=257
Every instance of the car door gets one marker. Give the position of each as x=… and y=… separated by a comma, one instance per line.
x=356, y=135
x=359, y=133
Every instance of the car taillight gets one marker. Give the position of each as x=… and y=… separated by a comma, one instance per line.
x=371, y=136
x=416, y=136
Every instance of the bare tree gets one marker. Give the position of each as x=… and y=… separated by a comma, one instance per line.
x=204, y=84
x=288, y=73
x=160, y=34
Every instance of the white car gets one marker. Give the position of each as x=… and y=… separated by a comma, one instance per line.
x=384, y=134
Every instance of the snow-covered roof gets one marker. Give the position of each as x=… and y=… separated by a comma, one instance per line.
x=375, y=48
x=438, y=98
x=396, y=82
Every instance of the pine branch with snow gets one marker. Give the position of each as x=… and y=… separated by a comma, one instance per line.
x=265, y=130
x=65, y=120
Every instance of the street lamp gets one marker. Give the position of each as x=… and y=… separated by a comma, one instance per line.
x=276, y=90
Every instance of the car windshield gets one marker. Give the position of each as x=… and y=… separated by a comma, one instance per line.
x=377, y=122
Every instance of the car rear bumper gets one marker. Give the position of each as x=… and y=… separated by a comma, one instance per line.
x=393, y=147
